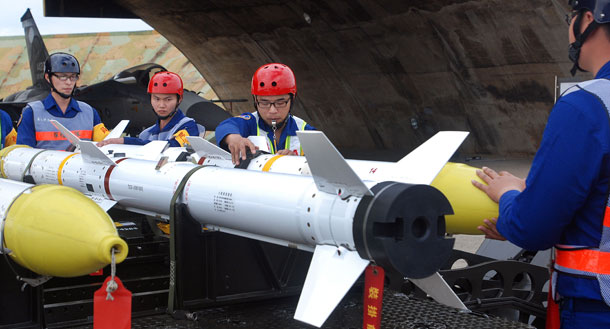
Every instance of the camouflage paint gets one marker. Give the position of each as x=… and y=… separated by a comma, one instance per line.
x=101, y=55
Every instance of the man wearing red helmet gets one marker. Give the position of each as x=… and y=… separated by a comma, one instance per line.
x=34, y=128
x=274, y=89
x=166, y=92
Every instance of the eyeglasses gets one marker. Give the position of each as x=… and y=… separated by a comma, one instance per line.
x=67, y=77
x=280, y=103
x=569, y=17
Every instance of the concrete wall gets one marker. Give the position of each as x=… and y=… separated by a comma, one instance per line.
x=382, y=74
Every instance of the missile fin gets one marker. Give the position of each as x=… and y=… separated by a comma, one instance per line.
x=437, y=288
x=331, y=274
x=67, y=133
x=262, y=142
x=426, y=161
x=118, y=130
x=151, y=150
x=92, y=154
x=101, y=201
x=206, y=149
x=329, y=169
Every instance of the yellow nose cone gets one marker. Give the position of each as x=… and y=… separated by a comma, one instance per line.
x=470, y=205
x=56, y=230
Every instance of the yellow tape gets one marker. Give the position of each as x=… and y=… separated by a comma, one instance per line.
x=61, y=166
x=267, y=165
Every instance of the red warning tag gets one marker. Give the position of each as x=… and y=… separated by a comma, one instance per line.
x=112, y=313
x=373, y=297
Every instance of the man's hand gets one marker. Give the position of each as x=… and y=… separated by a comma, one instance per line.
x=119, y=140
x=490, y=230
x=237, y=146
x=285, y=152
x=498, y=184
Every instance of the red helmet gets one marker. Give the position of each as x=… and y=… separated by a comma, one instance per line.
x=165, y=83
x=273, y=79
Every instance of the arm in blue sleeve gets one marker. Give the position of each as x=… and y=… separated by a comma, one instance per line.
x=7, y=124
x=26, y=135
x=563, y=172
x=134, y=141
x=190, y=127
x=309, y=127
x=96, y=117
x=234, y=125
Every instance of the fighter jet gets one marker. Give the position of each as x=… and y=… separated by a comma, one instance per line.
x=124, y=96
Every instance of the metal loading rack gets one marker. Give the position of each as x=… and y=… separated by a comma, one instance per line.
x=225, y=281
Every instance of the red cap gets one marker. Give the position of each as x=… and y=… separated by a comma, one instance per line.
x=165, y=83
x=273, y=79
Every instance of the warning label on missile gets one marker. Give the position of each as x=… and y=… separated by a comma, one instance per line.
x=223, y=202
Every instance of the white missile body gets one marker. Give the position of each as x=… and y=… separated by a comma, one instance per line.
x=327, y=213
x=410, y=169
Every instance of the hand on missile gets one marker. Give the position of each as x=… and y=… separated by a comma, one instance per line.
x=111, y=141
x=237, y=146
x=498, y=183
x=490, y=230
x=285, y=152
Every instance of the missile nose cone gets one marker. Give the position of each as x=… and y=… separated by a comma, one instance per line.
x=470, y=205
x=112, y=242
x=56, y=230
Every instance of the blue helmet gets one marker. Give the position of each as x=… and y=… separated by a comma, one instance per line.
x=599, y=8
x=61, y=63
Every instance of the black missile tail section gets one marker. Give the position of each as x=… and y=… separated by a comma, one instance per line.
x=402, y=229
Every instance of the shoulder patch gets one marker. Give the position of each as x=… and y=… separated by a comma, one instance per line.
x=245, y=116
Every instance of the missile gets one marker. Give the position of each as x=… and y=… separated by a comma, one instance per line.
x=346, y=222
x=55, y=230
x=154, y=150
x=470, y=205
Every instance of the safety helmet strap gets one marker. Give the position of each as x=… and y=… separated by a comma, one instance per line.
x=574, y=51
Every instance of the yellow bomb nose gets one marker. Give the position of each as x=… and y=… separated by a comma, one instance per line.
x=470, y=205
x=56, y=230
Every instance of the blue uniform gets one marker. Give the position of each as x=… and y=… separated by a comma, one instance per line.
x=26, y=133
x=190, y=126
x=246, y=125
x=6, y=125
x=567, y=187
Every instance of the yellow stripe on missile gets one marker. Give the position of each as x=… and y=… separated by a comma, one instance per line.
x=61, y=167
x=4, y=152
x=270, y=162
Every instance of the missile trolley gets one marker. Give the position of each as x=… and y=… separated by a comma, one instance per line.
x=346, y=222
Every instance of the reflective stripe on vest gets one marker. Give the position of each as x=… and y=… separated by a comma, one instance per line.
x=292, y=142
x=48, y=137
x=164, y=135
x=589, y=261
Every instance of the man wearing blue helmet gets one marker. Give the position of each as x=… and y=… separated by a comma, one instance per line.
x=34, y=128
x=564, y=202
